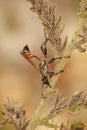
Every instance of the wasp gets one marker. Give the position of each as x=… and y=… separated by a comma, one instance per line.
x=44, y=64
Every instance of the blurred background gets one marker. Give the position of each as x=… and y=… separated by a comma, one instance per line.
x=18, y=79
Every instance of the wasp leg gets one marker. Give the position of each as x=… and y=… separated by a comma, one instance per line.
x=59, y=72
x=54, y=59
x=45, y=81
x=55, y=73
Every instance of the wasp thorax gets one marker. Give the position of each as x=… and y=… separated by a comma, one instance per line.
x=43, y=67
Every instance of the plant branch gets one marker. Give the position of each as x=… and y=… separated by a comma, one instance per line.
x=77, y=101
x=72, y=45
x=60, y=65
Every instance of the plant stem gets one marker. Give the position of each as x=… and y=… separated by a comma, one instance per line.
x=59, y=67
x=72, y=45
x=37, y=113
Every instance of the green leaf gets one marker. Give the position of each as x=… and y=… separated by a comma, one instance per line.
x=77, y=126
x=74, y=108
x=77, y=107
x=46, y=123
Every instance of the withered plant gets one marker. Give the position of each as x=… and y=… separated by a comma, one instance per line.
x=14, y=112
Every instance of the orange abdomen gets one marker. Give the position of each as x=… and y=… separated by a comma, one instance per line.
x=28, y=55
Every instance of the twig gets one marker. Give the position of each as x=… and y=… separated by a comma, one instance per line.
x=59, y=66
x=72, y=45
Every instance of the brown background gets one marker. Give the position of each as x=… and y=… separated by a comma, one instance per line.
x=19, y=26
